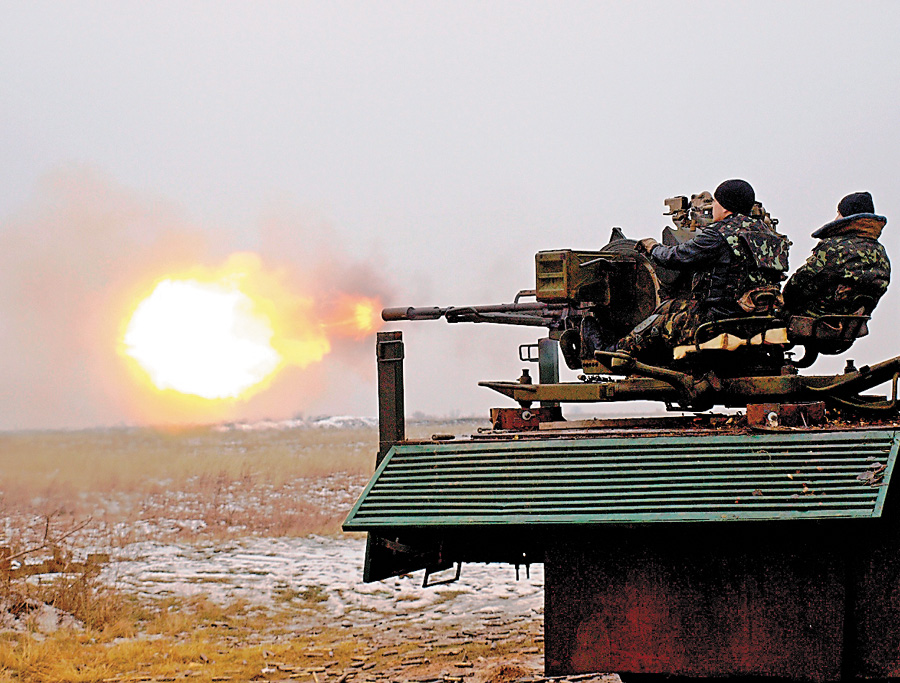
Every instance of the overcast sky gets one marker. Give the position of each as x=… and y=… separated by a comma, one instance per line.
x=422, y=149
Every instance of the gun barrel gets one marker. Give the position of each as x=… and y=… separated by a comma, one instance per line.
x=468, y=313
x=411, y=313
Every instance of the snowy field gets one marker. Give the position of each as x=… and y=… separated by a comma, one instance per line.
x=265, y=570
x=247, y=517
x=248, y=512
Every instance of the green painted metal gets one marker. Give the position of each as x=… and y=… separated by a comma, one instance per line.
x=769, y=476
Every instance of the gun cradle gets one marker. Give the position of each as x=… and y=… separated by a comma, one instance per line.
x=731, y=362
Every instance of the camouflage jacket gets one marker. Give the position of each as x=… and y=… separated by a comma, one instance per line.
x=847, y=263
x=728, y=258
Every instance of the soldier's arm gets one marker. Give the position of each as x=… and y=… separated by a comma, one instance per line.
x=699, y=251
x=810, y=279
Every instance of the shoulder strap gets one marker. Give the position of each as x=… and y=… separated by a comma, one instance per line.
x=767, y=250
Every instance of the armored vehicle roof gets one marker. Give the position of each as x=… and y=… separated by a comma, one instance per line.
x=638, y=471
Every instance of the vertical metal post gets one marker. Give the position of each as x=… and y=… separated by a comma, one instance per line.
x=548, y=366
x=391, y=422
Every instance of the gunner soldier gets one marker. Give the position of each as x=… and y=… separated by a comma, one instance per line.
x=848, y=270
x=736, y=265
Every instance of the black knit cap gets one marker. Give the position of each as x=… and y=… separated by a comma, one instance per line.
x=858, y=202
x=736, y=196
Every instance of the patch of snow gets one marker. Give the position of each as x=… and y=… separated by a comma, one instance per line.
x=331, y=422
x=35, y=617
x=260, y=425
x=344, y=422
x=259, y=570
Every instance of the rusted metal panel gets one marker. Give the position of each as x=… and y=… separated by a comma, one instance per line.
x=387, y=556
x=873, y=647
x=523, y=420
x=391, y=423
x=696, y=604
x=786, y=414
x=821, y=603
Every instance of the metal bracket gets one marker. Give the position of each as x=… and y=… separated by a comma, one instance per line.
x=525, y=293
x=859, y=404
x=529, y=353
x=429, y=572
x=389, y=350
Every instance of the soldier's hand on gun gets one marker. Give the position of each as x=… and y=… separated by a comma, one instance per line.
x=645, y=246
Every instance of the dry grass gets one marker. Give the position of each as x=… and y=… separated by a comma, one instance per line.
x=52, y=465
x=145, y=484
x=96, y=606
x=49, y=464
x=71, y=588
x=141, y=484
x=206, y=654
x=179, y=483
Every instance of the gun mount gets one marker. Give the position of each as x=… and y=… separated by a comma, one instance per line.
x=730, y=363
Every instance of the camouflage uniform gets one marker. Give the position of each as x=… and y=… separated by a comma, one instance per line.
x=848, y=262
x=728, y=258
x=672, y=323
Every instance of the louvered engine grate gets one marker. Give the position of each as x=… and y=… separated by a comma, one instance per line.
x=794, y=475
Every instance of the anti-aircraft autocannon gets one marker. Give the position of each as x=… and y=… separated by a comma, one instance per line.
x=757, y=545
x=732, y=362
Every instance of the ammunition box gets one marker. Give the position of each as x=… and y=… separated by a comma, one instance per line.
x=560, y=274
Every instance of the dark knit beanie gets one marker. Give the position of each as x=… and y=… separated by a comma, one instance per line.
x=858, y=202
x=736, y=196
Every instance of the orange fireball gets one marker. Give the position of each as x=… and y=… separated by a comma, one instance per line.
x=224, y=333
x=206, y=339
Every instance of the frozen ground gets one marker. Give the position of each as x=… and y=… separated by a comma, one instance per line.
x=226, y=514
x=317, y=583
x=271, y=570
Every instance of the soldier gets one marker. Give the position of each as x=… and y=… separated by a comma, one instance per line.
x=848, y=270
x=732, y=262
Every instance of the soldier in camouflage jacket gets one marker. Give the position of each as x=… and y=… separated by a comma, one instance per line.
x=848, y=263
x=729, y=258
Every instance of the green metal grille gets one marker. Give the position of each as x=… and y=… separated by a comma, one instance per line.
x=796, y=475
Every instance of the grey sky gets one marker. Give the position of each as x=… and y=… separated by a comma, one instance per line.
x=434, y=146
